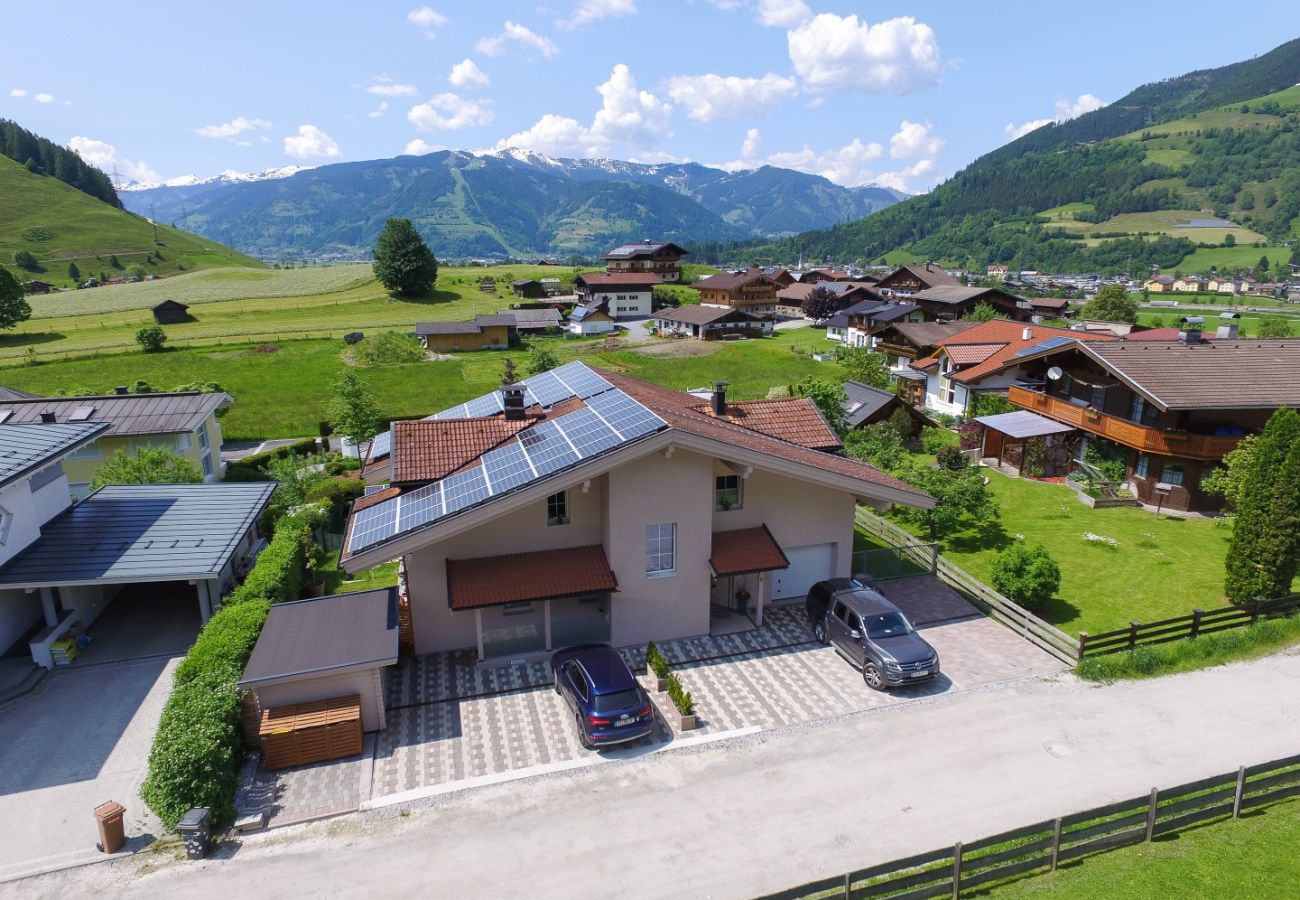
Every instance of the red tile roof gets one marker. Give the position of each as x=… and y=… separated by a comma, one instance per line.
x=969, y=354
x=518, y=577
x=746, y=550
x=1012, y=338
x=426, y=450
x=793, y=419
x=369, y=500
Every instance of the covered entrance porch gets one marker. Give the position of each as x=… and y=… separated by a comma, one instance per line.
x=527, y=604
x=742, y=562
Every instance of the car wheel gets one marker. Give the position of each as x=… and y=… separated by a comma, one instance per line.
x=819, y=632
x=582, y=735
x=871, y=675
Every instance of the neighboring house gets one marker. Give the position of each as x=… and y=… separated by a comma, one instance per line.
x=905, y=342
x=661, y=258
x=8, y=393
x=494, y=332
x=1161, y=284
x=996, y=272
x=171, y=312
x=779, y=274
x=837, y=328
x=1174, y=408
x=866, y=405
x=551, y=286
x=790, y=299
x=711, y=323
x=626, y=295
x=527, y=289
x=591, y=318
x=184, y=422
x=37, y=287
x=751, y=291
x=985, y=358
x=947, y=302
x=62, y=565
x=1221, y=285
x=1190, y=284
x=908, y=280
x=867, y=318
x=546, y=320
x=618, y=511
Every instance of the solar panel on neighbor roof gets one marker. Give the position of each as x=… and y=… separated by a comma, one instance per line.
x=1048, y=344
x=581, y=381
x=547, y=390
x=487, y=405
x=382, y=445
x=374, y=524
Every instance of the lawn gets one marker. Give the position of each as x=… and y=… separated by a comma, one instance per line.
x=282, y=388
x=1251, y=857
x=1248, y=324
x=1164, y=221
x=1159, y=568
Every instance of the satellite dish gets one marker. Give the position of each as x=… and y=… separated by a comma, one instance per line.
x=1055, y=373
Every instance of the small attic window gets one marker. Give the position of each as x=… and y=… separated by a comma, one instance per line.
x=5, y=414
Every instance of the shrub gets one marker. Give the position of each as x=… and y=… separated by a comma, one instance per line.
x=339, y=494
x=951, y=458
x=388, y=348
x=1029, y=576
x=933, y=440
x=655, y=661
x=681, y=697
x=225, y=643
x=151, y=338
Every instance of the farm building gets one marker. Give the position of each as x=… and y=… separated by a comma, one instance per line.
x=171, y=312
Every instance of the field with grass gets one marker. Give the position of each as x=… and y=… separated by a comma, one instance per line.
x=58, y=224
x=1252, y=857
x=1248, y=324
x=1164, y=221
x=1231, y=259
x=281, y=388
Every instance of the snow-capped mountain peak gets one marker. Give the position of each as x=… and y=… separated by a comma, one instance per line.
x=229, y=176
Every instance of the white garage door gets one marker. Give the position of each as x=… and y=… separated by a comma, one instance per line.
x=808, y=565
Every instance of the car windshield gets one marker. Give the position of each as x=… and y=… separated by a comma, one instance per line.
x=616, y=701
x=885, y=625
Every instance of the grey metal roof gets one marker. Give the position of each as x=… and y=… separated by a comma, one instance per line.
x=1222, y=374
x=325, y=635
x=1023, y=424
x=8, y=393
x=695, y=314
x=864, y=401
x=126, y=414
x=535, y=318
x=141, y=532
x=27, y=447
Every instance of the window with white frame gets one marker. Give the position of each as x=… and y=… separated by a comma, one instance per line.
x=202, y=432
x=726, y=492
x=1172, y=473
x=661, y=550
x=207, y=465
x=557, y=509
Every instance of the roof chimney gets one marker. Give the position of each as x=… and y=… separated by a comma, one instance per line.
x=1227, y=326
x=720, y=398
x=512, y=399
x=1190, y=332
x=927, y=266
x=48, y=416
x=121, y=390
x=1027, y=333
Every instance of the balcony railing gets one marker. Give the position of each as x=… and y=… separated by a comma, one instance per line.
x=1122, y=431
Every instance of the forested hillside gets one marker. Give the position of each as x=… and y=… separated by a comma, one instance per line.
x=42, y=156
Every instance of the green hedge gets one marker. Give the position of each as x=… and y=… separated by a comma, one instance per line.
x=253, y=467
x=197, y=752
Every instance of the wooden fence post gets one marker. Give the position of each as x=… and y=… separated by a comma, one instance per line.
x=1056, y=843
x=848, y=884
x=1133, y=633
x=956, y=870
x=1241, y=789
x=1196, y=621
x=934, y=559
x=1083, y=645
x=1254, y=611
x=1151, y=814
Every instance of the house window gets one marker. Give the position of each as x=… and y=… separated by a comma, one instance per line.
x=88, y=451
x=1139, y=406
x=207, y=465
x=1172, y=473
x=1141, y=470
x=726, y=492
x=661, y=550
x=183, y=442
x=202, y=432
x=557, y=509
x=6, y=520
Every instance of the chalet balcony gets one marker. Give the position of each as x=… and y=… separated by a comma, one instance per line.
x=1122, y=431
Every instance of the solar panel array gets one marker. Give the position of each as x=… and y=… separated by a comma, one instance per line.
x=382, y=445
x=546, y=389
x=1058, y=341
x=610, y=419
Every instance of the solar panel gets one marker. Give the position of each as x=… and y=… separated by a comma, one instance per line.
x=1048, y=344
x=581, y=381
x=626, y=416
x=372, y=525
x=456, y=412
x=374, y=489
x=547, y=449
x=588, y=432
x=487, y=405
x=507, y=467
x=546, y=389
x=420, y=506
x=464, y=489
x=382, y=445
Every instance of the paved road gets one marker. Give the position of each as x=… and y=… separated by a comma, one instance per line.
x=738, y=819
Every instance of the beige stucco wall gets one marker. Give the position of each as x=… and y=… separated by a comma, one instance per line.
x=82, y=471
x=368, y=683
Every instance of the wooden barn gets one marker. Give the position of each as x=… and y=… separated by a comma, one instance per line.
x=171, y=312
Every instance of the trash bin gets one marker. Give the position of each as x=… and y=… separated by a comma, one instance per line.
x=195, y=830
x=109, y=818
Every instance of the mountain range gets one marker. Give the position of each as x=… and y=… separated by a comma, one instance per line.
x=506, y=203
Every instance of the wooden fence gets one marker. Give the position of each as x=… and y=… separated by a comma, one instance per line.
x=1182, y=627
x=998, y=607
x=1043, y=846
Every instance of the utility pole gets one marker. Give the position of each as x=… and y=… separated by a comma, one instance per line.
x=153, y=220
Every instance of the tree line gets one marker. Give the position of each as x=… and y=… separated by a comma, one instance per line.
x=44, y=157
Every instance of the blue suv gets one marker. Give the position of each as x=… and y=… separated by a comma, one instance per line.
x=608, y=704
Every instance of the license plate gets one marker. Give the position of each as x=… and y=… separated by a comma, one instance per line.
x=918, y=674
x=626, y=720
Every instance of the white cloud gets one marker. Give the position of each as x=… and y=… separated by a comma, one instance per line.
x=419, y=147
x=226, y=130
x=517, y=34
x=466, y=74
x=311, y=143
x=914, y=140
x=17, y=92
x=449, y=112
x=378, y=110
x=902, y=179
x=847, y=165
x=104, y=156
x=752, y=146
x=709, y=97
x=1065, y=110
x=44, y=98
x=726, y=5
x=782, y=13
x=594, y=10
x=386, y=87
x=426, y=20
x=555, y=136
x=842, y=53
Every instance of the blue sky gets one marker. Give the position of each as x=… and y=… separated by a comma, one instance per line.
x=902, y=94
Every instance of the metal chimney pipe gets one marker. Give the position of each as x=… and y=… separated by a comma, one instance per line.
x=720, y=398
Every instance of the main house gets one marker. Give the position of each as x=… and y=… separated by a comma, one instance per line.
x=623, y=295
x=751, y=291
x=582, y=506
x=1174, y=409
x=660, y=258
x=185, y=422
x=907, y=280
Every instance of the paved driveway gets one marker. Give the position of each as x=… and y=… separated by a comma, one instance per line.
x=80, y=738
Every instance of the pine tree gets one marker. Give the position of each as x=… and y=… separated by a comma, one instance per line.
x=404, y=264
x=73, y=272
x=1262, y=553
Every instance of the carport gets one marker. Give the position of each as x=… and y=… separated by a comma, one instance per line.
x=1007, y=436
x=172, y=542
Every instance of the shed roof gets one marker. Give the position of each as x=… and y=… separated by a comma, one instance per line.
x=29, y=446
x=639, y=249
x=864, y=401
x=519, y=577
x=1023, y=424
x=746, y=550
x=695, y=314
x=141, y=532
x=125, y=414
x=325, y=635
x=535, y=318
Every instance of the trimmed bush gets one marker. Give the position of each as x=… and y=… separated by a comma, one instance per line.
x=681, y=697
x=1029, y=576
x=224, y=645
x=278, y=574
x=656, y=661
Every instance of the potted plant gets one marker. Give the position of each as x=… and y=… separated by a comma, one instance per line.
x=656, y=666
x=683, y=701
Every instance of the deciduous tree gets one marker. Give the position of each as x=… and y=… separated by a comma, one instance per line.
x=150, y=465
x=866, y=366
x=14, y=307
x=829, y=398
x=541, y=358
x=1262, y=554
x=352, y=410
x=1111, y=303
x=404, y=264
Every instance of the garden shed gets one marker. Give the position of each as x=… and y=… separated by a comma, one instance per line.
x=171, y=312
x=1025, y=441
x=324, y=649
